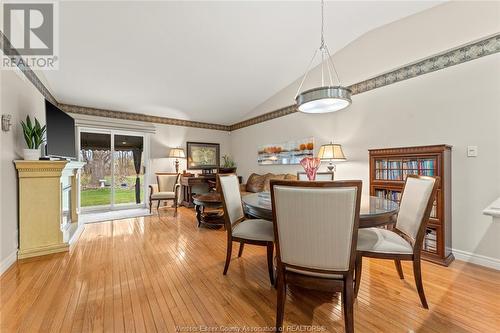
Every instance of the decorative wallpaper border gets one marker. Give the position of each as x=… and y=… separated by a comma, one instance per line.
x=456, y=56
x=141, y=117
x=265, y=117
x=9, y=51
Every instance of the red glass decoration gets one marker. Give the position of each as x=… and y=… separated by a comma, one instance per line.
x=311, y=166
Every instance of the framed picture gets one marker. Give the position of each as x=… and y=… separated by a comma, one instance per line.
x=202, y=155
x=290, y=152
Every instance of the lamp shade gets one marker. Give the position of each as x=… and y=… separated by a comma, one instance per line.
x=177, y=153
x=332, y=152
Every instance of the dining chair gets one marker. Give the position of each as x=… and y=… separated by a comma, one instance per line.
x=404, y=241
x=315, y=231
x=239, y=228
x=320, y=176
x=166, y=188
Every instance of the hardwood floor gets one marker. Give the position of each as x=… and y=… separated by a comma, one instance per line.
x=153, y=274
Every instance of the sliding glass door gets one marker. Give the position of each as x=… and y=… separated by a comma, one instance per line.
x=113, y=176
x=128, y=169
x=95, y=180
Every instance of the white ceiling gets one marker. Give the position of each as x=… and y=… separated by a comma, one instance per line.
x=203, y=61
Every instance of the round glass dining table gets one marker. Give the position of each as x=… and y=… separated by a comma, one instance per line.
x=374, y=211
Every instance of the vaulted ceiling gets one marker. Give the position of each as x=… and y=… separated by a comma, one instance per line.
x=211, y=61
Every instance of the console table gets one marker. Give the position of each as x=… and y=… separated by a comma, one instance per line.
x=187, y=184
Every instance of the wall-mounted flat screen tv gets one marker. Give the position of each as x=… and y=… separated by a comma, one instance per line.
x=60, y=132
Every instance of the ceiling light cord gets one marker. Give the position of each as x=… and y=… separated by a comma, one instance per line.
x=325, y=57
x=325, y=51
x=322, y=44
x=326, y=98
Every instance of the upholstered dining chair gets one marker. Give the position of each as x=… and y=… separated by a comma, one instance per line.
x=166, y=188
x=320, y=176
x=404, y=241
x=315, y=231
x=238, y=228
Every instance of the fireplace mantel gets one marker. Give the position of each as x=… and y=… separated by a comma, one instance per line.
x=48, y=206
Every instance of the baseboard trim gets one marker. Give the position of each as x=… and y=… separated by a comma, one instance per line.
x=477, y=259
x=7, y=262
x=77, y=234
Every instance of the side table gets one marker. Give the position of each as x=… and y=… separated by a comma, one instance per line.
x=213, y=201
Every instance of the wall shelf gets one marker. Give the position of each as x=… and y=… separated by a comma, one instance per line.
x=493, y=210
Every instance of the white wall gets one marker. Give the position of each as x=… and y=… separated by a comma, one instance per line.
x=19, y=98
x=459, y=106
x=168, y=136
x=396, y=44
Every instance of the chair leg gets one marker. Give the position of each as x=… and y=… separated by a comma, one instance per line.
x=281, y=298
x=158, y=207
x=270, y=249
x=417, y=272
x=150, y=206
x=175, y=207
x=357, y=274
x=240, y=251
x=397, y=262
x=228, y=255
x=348, y=301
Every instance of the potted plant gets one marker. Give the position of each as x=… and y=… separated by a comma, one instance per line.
x=34, y=135
x=228, y=165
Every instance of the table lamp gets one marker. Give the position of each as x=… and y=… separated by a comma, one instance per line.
x=177, y=153
x=331, y=152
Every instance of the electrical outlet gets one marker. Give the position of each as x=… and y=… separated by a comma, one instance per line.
x=471, y=151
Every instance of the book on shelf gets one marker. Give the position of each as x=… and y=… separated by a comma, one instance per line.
x=399, y=170
x=430, y=241
x=434, y=211
x=387, y=194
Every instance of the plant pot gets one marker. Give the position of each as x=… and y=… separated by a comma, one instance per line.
x=227, y=170
x=32, y=154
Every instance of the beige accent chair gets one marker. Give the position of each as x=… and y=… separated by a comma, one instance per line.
x=238, y=228
x=320, y=176
x=404, y=242
x=166, y=188
x=316, y=230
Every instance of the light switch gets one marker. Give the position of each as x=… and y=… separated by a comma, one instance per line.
x=471, y=151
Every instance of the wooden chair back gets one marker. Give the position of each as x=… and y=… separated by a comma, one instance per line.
x=166, y=181
x=229, y=189
x=316, y=224
x=415, y=208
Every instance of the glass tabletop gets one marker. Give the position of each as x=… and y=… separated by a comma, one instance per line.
x=370, y=206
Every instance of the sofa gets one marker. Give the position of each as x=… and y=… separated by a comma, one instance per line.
x=261, y=183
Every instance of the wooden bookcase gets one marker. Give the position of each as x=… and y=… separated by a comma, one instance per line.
x=388, y=170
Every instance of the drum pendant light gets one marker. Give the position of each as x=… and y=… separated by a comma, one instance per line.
x=326, y=98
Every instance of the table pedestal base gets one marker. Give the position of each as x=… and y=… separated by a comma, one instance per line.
x=211, y=217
